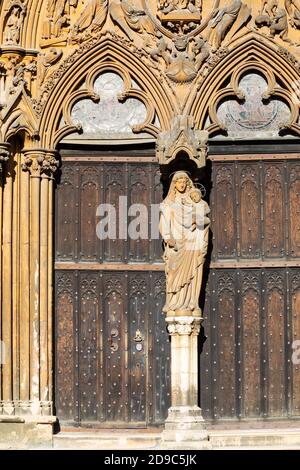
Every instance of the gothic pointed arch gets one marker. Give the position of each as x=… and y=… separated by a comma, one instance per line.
x=74, y=79
x=274, y=62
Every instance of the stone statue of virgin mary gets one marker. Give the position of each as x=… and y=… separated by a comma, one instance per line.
x=184, y=226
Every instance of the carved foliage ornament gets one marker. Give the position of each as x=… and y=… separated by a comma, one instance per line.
x=40, y=164
x=4, y=154
x=183, y=325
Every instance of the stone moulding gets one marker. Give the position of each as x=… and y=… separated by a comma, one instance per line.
x=31, y=410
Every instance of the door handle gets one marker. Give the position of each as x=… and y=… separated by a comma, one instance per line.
x=113, y=334
x=138, y=337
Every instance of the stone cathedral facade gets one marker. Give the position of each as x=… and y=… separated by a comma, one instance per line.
x=102, y=102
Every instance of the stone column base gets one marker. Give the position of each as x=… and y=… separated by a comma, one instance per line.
x=26, y=424
x=185, y=429
x=19, y=434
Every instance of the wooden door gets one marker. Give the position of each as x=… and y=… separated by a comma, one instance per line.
x=252, y=305
x=112, y=349
x=107, y=290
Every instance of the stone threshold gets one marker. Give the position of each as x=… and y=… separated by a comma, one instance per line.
x=139, y=439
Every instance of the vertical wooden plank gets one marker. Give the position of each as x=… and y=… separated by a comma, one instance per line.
x=102, y=371
x=205, y=344
x=65, y=214
x=161, y=376
x=138, y=219
x=138, y=347
x=223, y=215
x=115, y=332
x=294, y=209
x=89, y=346
x=295, y=336
x=273, y=225
x=114, y=189
x=65, y=346
x=150, y=388
x=226, y=304
x=251, y=340
x=89, y=201
x=156, y=199
x=275, y=311
x=249, y=210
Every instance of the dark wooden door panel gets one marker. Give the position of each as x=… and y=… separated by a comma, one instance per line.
x=252, y=315
x=294, y=209
x=255, y=210
x=112, y=348
x=246, y=363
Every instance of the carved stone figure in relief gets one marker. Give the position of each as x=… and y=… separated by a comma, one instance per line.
x=293, y=9
x=221, y=23
x=180, y=16
x=275, y=18
x=173, y=5
x=184, y=226
x=200, y=52
x=46, y=61
x=13, y=25
x=58, y=17
x=267, y=12
x=123, y=13
x=279, y=24
x=181, y=68
x=94, y=15
x=129, y=18
x=136, y=18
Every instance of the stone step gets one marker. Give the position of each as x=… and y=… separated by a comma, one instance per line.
x=141, y=440
x=255, y=437
x=97, y=440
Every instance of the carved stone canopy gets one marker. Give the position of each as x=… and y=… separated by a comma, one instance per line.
x=182, y=138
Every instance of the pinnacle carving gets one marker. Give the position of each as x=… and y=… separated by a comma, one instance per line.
x=182, y=138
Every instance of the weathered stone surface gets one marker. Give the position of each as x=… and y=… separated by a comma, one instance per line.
x=25, y=435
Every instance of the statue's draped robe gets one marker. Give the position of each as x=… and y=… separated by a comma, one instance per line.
x=95, y=12
x=184, y=262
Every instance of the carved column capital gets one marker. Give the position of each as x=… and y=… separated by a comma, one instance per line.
x=183, y=325
x=4, y=154
x=40, y=163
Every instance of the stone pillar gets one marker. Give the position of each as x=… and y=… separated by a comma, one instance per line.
x=41, y=166
x=184, y=425
x=5, y=332
x=27, y=397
